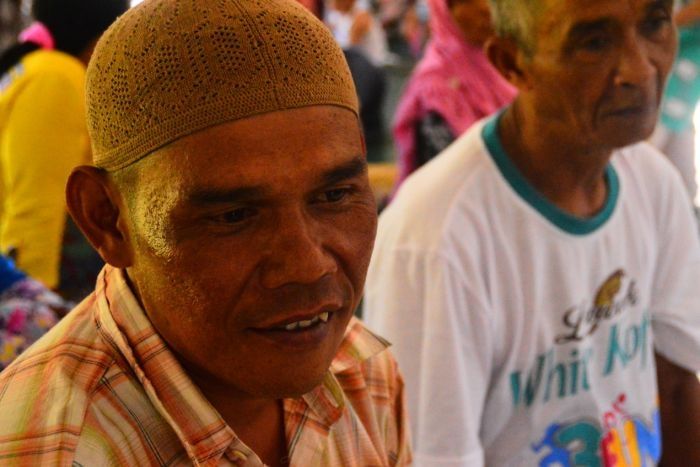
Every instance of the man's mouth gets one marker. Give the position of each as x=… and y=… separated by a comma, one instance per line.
x=641, y=105
x=300, y=332
x=630, y=110
x=304, y=323
x=299, y=321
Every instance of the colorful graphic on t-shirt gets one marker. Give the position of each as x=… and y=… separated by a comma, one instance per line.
x=620, y=440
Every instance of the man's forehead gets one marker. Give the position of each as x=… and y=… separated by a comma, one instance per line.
x=270, y=128
x=564, y=15
x=268, y=185
x=262, y=150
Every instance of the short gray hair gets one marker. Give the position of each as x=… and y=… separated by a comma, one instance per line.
x=516, y=19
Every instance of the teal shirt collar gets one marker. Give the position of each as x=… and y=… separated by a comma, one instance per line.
x=566, y=222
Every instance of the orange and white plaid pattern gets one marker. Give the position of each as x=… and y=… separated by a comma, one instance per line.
x=102, y=388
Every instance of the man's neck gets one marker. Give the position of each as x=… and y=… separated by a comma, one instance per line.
x=570, y=176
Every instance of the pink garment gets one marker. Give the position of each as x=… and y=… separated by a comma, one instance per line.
x=38, y=34
x=454, y=79
x=312, y=5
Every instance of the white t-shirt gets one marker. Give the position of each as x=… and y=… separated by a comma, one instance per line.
x=526, y=336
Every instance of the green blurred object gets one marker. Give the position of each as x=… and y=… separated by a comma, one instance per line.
x=683, y=87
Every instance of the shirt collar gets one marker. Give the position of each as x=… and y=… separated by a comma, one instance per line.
x=327, y=401
x=200, y=428
x=359, y=344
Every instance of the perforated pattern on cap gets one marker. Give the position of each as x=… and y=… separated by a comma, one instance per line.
x=168, y=68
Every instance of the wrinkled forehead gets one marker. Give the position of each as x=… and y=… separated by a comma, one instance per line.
x=279, y=148
x=560, y=18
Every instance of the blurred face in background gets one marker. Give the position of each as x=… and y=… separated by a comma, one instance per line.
x=473, y=18
x=599, y=68
x=344, y=5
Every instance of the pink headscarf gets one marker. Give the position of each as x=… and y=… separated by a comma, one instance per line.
x=39, y=35
x=454, y=79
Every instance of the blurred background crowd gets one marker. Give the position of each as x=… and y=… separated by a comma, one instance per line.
x=385, y=40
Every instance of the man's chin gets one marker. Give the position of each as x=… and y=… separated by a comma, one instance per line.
x=625, y=130
x=617, y=138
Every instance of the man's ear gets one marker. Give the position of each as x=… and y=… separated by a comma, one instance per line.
x=97, y=208
x=508, y=58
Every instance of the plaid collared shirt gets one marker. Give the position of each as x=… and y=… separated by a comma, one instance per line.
x=102, y=388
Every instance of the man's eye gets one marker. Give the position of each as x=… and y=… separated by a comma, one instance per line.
x=335, y=195
x=656, y=23
x=595, y=44
x=235, y=216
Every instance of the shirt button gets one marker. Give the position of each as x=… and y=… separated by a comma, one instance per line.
x=239, y=455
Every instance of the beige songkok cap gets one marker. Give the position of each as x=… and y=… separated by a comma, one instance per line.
x=169, y=68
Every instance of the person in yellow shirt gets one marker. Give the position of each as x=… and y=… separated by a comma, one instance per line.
x=43, y=136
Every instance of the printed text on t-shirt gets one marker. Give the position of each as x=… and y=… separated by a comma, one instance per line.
x=583, y=320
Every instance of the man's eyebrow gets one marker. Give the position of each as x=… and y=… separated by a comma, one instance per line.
x=585, y=28
x=206, y=196
x=351, y=169
x=656, y=4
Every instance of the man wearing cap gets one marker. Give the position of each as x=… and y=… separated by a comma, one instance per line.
x=540, y=280
x=230, y=200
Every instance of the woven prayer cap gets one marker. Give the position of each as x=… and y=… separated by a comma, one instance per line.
x=169, y=68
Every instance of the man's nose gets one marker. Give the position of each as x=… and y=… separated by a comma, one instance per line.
x=636, y=66
x=297, y=253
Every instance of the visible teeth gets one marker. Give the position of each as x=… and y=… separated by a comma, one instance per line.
x=307, y=323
